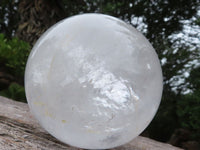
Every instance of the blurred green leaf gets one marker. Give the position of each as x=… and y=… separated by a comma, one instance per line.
x=15, y=91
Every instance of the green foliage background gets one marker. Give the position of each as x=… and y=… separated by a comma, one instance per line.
x=163, y=19
x=13, y=57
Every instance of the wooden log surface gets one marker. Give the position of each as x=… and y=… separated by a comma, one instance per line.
x=20, y=131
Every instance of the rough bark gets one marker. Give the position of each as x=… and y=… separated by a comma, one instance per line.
x=36, y=16
x=19, y=130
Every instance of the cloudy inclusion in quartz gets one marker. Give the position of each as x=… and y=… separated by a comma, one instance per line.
x=109, y=87
x=93, y=81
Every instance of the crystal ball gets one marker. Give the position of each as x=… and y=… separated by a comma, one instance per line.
x=93, y=81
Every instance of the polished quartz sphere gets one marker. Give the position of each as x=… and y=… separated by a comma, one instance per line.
x=93, y=81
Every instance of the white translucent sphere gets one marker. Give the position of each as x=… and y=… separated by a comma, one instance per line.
x=93, y=81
